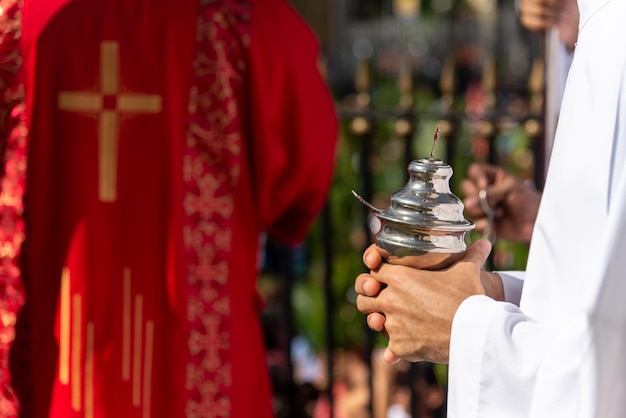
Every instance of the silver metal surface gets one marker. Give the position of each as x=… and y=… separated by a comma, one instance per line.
x=424, y=224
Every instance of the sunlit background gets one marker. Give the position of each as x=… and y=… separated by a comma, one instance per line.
x=396, y=69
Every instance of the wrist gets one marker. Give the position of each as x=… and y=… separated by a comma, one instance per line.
x=492, y=283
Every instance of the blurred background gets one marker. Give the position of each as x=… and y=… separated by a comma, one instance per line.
x=396, y=69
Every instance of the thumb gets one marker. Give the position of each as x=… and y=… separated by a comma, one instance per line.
x=478, y=251
x=389, y=357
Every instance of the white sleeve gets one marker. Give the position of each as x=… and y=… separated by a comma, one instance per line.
x=563, y=58
x=496, y=355
x=569, y=359
x=512, y=282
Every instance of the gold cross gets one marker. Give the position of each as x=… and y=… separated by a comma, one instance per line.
x=109, y=103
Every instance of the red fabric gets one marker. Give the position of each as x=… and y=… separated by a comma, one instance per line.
x=290, y=116
x=13, y=146
x=160, y=317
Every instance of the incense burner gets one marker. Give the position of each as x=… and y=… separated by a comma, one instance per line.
x=423, y=226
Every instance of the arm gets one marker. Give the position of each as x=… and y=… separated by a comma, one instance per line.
x=293, y=122
x=496, y=356
x=540, y=15
x=498, y=286
x=495, y=351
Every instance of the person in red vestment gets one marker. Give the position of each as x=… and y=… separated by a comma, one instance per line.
x=146, y=146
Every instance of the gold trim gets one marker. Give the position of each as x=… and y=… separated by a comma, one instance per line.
x=76, y=353
x=137, y=351
x=108, y=155
x=65, y=328
x=109, y=67
x=80, y=101
x=108, y=129
x=147, y=368
x=126, y=326
x=89, y=371
x=213, y=93
x=140, y=103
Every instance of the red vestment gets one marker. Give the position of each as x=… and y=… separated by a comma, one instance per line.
x=147, y=144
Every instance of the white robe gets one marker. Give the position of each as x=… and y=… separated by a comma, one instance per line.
x=562, y=353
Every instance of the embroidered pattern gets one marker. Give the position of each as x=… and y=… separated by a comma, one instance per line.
x=13, y=179
x=211, y=169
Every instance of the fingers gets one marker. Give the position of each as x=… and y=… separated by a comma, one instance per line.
x=547, y=9
x=374, y=256
x=399, y=302
x=367, y=289
x=478, y=251
x=480, y=177
x=389, y=357
x=482, y=174
x=500, y=189
x=496, y=182
x=376, y=321
x=539, y=15
x=366, y=285
x=471, y=201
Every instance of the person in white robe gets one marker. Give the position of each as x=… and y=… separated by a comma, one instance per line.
x=556, y=346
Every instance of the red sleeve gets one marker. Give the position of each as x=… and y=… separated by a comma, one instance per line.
x=294, y=123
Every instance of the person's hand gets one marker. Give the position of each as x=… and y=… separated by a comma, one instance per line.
x=415, y=308
x=515, y=203
x=374, y=256
x=540, y=15
x=568, y=23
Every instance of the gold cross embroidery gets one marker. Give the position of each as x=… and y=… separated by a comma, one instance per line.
x=76, y=347
x=109, y=103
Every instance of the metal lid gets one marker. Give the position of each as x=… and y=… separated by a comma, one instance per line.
x=426, y=202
